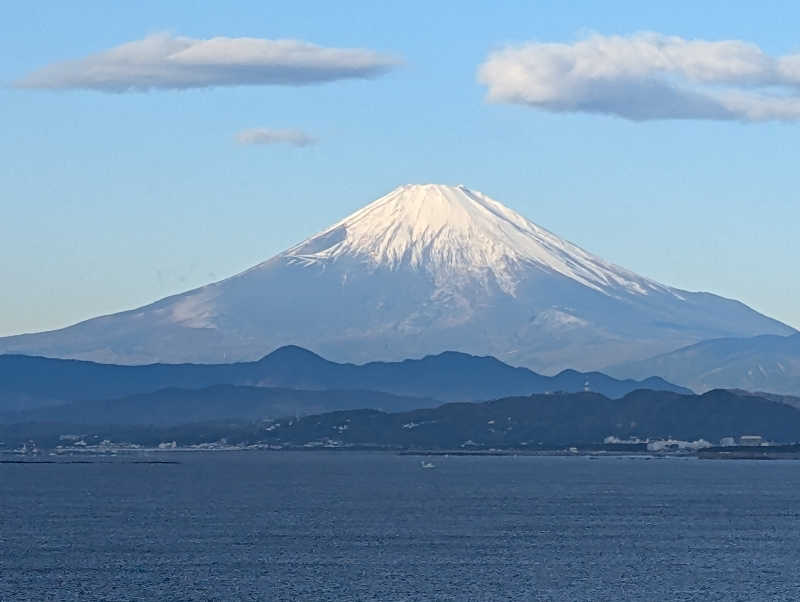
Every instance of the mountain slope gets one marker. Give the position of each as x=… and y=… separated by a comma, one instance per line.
x=763, y=363
x=421, y=270
x=30, y=382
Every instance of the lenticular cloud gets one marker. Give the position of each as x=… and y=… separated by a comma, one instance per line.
x=163, y=61
x=647, y=76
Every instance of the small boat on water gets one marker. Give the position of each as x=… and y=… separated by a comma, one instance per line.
x=425, y=464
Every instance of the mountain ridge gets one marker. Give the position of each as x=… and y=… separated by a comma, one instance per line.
x=27, y=382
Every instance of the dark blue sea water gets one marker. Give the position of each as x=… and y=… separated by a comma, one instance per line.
x=352, y=526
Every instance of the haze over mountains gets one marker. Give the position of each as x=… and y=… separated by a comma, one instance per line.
x=763, y=363
x=424, y=269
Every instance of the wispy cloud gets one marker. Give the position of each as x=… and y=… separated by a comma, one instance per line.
x=163, y=61
x=647, y=76
x=273, y=136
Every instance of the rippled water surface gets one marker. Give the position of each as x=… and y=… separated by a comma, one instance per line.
x=353, y=526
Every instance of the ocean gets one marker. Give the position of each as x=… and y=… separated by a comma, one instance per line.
x=377, y=526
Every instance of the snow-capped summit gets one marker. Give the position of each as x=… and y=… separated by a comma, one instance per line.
x=452, y=231
x=424, y=269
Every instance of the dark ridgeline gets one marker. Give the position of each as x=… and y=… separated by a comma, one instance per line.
x=30, y=382
x=558, y=419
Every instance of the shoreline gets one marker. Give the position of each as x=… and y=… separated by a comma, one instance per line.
x=764, y=452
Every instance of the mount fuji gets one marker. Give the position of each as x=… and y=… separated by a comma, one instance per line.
x=424, y=269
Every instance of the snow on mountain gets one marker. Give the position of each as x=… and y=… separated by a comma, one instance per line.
x=452, y=232
x=424, y=269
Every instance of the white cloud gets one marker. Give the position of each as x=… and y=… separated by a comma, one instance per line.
x=163, y=61
x=647, y=76
x=271, y=136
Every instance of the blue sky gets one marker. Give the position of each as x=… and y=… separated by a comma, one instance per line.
x=113, y=200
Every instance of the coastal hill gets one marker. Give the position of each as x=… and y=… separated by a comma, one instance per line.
x=558, y=419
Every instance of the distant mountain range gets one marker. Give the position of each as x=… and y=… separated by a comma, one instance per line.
x=30, y=382
x=423, y=269
x=762, y=363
